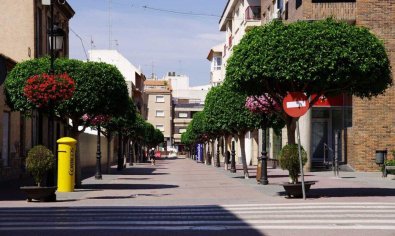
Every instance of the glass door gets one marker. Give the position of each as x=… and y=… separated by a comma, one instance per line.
x=319, y=138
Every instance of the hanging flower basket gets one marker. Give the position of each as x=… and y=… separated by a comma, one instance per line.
x=47, y=90
x=261, y=104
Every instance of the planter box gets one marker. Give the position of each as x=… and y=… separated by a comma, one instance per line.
x=295, y=190
x=42, y=194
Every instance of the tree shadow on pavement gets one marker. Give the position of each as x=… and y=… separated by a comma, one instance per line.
x=133, y=178
x=129, y=196
x=125, y=220
x=128, y=186
x=351, y=192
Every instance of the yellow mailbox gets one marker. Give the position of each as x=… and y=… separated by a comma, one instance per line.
x=66, y=164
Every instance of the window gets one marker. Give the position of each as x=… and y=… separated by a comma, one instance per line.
x=160, y=99
x=160, y=127
x=217, y=63
x=160, y=113
x=180, y=131
x=183, y=115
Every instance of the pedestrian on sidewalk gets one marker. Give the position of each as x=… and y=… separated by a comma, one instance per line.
x=152, y=156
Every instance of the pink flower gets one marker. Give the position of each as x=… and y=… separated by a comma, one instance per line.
x=262, y=104
x=96, y=120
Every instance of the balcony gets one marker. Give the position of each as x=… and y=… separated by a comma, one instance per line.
x=253, y=13
x=182, y=120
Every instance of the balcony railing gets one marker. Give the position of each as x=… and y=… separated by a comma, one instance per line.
x=253, y=13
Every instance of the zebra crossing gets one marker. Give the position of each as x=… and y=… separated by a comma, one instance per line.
x=333, y=216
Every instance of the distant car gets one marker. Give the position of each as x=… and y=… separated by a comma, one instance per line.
x=172, y=154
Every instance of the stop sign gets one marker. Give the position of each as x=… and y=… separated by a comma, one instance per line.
x=296, y=104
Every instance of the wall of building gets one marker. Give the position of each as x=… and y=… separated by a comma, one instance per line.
x=17, y=25
x=88, y=149
x=374, y=120
x=153, y=106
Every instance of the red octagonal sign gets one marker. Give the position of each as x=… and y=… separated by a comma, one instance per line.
x=296, y=104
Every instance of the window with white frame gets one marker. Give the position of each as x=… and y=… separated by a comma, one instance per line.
x=160, y=113
x=217, y=63
x=180, y=131
x=160, y=99
x=160, y=127
x=183, y=115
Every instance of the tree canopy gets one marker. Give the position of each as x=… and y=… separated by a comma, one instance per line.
x=100, y=88
x=321, y=57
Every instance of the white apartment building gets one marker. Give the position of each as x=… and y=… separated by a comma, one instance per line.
x=237, y=18
x=113, y=57
x=216, y=68
x=133, y=76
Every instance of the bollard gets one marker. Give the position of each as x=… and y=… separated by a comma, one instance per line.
x=66, y=164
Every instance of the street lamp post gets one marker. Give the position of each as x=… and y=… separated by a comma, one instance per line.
x=233, y=158
x=55, y=34
x=218, y=164
x=98, y=174
x=55, y=39
x=264, y=180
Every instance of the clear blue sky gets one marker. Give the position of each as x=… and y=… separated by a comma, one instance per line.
x=153, y=39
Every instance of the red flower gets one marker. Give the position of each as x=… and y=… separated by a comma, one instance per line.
x=45, y=90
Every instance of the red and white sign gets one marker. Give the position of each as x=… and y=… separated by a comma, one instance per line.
x=296, y=104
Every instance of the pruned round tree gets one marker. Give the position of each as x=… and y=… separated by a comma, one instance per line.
x=321, y=57
x=100, y=89
x=226, y=112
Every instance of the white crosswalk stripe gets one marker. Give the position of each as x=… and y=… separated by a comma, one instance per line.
x=355, y=216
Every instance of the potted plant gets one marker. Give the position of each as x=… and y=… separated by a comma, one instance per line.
x=39, y=161
x=289, y=160
x=390, y=172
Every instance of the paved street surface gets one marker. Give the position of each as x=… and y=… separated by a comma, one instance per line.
x=182, y=197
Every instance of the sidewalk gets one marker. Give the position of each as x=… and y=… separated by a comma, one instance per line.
x=176, y=182
x=349, y=186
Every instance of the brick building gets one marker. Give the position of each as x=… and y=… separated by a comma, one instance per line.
x=371, y=122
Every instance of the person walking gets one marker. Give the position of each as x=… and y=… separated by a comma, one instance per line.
x=152, y=156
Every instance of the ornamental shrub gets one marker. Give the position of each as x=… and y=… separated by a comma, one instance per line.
x=289, y=160
x=39, y=160
x=390, y=163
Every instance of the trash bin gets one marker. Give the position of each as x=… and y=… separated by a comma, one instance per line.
x=66, y=164
x=381, y=156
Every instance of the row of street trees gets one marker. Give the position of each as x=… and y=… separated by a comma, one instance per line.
x=100, y=97
x=317, y=58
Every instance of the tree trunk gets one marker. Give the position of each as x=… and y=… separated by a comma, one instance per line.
x=243, y=154
x=291, y=128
